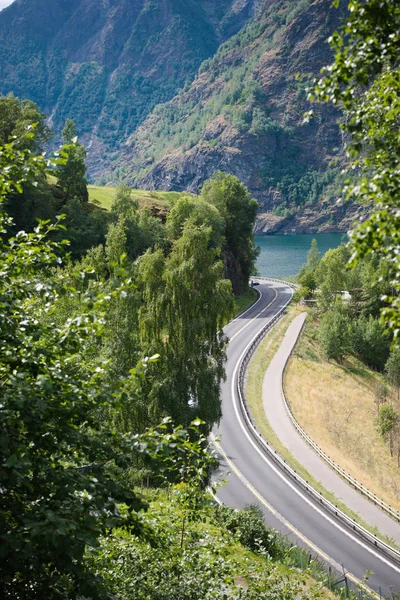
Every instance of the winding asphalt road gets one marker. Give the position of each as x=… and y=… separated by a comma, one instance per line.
x=256, y=479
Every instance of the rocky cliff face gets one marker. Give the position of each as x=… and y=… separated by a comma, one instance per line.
x=106, y=64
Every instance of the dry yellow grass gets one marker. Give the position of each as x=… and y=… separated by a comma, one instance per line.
x=254, y=379
x=335, y=405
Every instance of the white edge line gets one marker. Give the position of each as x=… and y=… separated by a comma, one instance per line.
x=244, y=312
x=282, y=476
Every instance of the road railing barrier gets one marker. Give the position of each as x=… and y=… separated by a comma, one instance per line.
x=290, y=284
x=331, y=508
x=353, y=482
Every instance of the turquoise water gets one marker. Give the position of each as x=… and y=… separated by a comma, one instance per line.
x=284, y=255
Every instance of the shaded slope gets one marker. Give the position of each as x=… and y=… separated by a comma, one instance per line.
x=107, y=64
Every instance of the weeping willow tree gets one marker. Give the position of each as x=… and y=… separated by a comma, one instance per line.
x=186, y=302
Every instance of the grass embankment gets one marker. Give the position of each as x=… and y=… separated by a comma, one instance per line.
x=335, y=404
x=213, y=550
x=245, y=300
x=104, y=196
x=255, y=375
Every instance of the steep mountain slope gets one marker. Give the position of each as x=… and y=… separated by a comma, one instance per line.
x=244, y=114
x=107, y=64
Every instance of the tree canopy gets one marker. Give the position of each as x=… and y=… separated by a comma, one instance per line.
x=364, y=80
x=234, y=203
x=64, y=461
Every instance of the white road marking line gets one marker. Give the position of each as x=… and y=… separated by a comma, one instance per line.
x=284, y=478
x=286, y=523
x=256, y=317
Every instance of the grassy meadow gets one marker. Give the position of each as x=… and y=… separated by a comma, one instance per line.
x=104, y=196
x=335, y=404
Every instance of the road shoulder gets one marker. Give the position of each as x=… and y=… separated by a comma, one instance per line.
x=281, y=425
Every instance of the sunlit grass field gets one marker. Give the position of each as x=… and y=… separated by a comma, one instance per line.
x=104, y=196
x=335, y=404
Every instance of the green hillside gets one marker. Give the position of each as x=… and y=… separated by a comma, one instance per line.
x=104, y=197
x=107, y=65
x=248, y=101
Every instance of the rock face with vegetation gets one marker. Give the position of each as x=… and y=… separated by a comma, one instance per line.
x=244, y=114
x=164, y=94
x=107, y=64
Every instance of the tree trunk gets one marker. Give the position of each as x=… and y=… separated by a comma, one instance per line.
x=391, y=443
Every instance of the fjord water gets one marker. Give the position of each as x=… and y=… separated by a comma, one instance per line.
x=283, y=255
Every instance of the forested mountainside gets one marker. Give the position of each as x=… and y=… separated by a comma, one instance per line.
x=107, y=64
x=165, y=93
x=244, y=114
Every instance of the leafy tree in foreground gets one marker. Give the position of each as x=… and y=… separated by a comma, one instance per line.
x=186, y=303
x=60, y=480
x=198, y=213
x=35, y=199
x=16, y=116
x=364, y=80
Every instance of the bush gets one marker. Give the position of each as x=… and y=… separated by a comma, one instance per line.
x=249, y=527
x=334, y=333
x=307, y=280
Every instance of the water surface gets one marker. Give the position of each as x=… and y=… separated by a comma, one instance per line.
x=283, y=255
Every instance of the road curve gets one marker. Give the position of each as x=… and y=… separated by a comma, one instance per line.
x=255, y=478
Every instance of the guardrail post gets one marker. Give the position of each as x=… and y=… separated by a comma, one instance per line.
x=387, y=549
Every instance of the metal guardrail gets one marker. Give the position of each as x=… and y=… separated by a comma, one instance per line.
x=361, y=488
x=290, y=284
x=266, y=447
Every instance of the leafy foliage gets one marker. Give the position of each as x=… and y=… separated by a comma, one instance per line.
x=388, y=420
x=71, y=172
x=364, y=80
x=392, y=368
x=206, y=559
x=370, y=341
x=334, y=334
x=186, y=304
x=16, y=116
x=350, y=301
x=233, y=201
x=62, y=460
x=249, y=528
